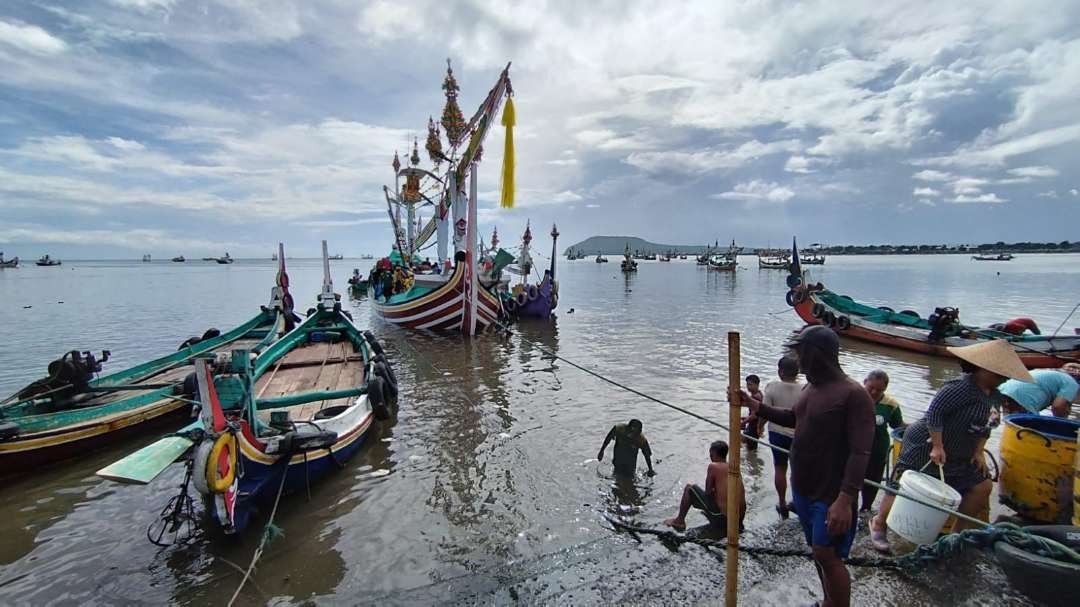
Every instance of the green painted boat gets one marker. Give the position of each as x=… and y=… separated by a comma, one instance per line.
x=70, y=412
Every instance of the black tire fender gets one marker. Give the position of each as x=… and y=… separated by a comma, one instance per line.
x=377, y=398
x=843, y=323
x=376, y=347
x=817, y=310
x=828, y=319
x=383, y=370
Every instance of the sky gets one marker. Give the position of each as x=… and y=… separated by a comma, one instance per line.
x=174, y=127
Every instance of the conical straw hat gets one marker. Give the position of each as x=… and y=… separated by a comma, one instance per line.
x=996, y=356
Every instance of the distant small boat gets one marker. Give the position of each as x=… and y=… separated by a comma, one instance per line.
x=223, y=260
x=368, y=256
x=628, y=264
x=273, y=257
x=815, y=259
x=600, y=258
x=146, y=258
x=993, y=257
x=773, y=262
x=179, y=259
x=209, y=258
x=338, y=256
x=48, y=261
x=9, y=263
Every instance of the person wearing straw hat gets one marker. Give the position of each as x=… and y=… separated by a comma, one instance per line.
x=954, y=430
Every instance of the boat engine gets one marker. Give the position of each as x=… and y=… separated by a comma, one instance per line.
x=944, y=322
x=68, y=375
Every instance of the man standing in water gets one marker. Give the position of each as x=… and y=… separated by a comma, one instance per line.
x=834, y=429
x=628, y=441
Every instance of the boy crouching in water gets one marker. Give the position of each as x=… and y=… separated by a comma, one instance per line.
x=712, y=500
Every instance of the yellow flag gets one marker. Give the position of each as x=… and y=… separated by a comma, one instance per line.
x=508, y=121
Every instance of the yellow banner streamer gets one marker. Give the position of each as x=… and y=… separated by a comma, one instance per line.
x=508, y=120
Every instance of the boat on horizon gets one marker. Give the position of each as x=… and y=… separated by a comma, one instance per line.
x=773, y=261
x=337, y=257
x=270, y=426
x=628, y=264
x=727, y=261
x=993, y=257
x=223, y=260
x=179, y=259
x=8, y=263
x=906, y=330
x=74, y=410
x=47, y=261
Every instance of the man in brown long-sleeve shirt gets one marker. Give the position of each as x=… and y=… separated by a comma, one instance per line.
x=834, y=431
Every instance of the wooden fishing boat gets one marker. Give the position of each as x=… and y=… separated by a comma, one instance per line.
x=444, y=300
x=906, y=330
x=179, y=259
x=628, y=265
x=773, y=262
x=69, y=412
x=600, y=258
x=273, y=427
x=146, y=258
x=358, y=284
x=224, y=260
x=533, y=300
x=47, y=261
x=9, y=263
x=337, y=257
x=993, y=257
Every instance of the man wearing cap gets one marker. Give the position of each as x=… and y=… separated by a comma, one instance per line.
x=1052, y=388
x=830, y=449
x=954, y=430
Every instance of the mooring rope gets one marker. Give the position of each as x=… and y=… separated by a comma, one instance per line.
x=269, y=532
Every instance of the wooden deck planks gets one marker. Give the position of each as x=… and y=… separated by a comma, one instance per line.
x=334, y=371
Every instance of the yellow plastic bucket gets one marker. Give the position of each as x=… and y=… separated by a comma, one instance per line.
x=1038, y=463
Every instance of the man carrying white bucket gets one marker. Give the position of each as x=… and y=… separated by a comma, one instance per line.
x=950, y=439
x=834, y=429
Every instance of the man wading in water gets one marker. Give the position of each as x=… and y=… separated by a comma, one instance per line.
x=628, y=441
x=834, y=429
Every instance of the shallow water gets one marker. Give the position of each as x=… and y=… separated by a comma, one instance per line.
x=485, y=489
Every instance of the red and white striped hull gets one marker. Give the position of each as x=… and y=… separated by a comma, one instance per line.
x=443, y=309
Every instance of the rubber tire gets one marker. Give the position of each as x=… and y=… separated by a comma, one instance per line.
x=187, y=343
x=389, y=369
x=911, y=313
x=532, y=292
x=828, y=319
x=198, y=473
x=846, y=297
x=790, y=298
x=511, y=305
x=8, y=430
x=793, y=281
x=817, y=310
x=383, y=371
x=377, y=398
x=887, y=309
x=522, y=299
x=843, y=323
x=1043, y=579
x=347, y=314
x=376, y=347
x=210, y=333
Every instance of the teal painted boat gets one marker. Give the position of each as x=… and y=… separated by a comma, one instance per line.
x=298, y=412
x=70, y=412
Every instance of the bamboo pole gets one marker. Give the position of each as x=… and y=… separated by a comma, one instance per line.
x=731, y=580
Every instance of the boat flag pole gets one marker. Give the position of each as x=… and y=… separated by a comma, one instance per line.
x=326, y=298
x=731, y=578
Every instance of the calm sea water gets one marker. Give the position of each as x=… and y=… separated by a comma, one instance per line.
x=485, y=489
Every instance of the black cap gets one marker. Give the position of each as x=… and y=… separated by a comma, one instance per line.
x=818, y=336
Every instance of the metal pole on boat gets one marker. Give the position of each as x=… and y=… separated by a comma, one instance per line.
x=731, y=579
x=326, y=298
x=470, y=257
x=554, y=239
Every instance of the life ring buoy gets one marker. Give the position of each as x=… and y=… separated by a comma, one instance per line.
x=843, y=323
x=224, y=446
x=828, y=319
x=533, y=292
x=817, y=310
x=376, y=398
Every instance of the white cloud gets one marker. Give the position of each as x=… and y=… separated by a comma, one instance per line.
x=926, y=192
x=677, y=161
x=758, y=190
x=1074, y=192
x=931, y=175
x=997, y=154
x=1035, y=171
x=31, y=38
x=805, y=164
x=136, y=239
x=566, y=196
x=1048, y=194
x=980, y=198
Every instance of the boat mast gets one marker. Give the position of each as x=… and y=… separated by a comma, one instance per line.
x=554, y=239
x=326, y=297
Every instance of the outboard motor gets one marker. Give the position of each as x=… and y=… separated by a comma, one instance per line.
x=68, y=375
x=944, y=322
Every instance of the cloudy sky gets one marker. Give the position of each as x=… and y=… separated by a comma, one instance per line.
x=169, y=126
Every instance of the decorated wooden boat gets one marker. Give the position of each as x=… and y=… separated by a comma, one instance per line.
x=47, y=261
x=273, y=426
x=8, y=263
x=444, y=299
x=533, y=300
x=600, y=258
x=906, y=330
x=727, y=261
x=773, y=262
x=70, y=412
x=358, y=284
x=628, y=264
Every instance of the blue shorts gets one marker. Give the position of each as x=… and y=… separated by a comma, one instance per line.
x=813, y=514
x=783, y=441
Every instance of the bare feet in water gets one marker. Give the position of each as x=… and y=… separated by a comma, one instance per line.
x=676, y=523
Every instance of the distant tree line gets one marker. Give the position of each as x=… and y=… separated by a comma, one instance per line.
x=923, y=249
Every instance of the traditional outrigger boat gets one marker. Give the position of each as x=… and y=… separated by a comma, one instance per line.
x=993, y=257
x=773, y=262
x=628, y=264
x=270, y=428
x=445, y=300
x=726, y=262
x=47, y=261
x=69, y=412
x=224, y=260
x=358, y=284
x=8, y=263
x=179, y=259
x=536, y=300
x=906, y=330
x=600, y=258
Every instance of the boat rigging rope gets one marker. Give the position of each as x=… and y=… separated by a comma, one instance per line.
x=269, y=533
x=1075, y=308
x=959, y=515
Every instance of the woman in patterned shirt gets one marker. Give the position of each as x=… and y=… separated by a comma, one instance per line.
x=954, y=430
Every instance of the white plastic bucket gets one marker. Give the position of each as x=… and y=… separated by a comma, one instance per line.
x=915, y=522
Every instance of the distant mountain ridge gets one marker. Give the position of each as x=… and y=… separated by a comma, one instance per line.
x=614, y=245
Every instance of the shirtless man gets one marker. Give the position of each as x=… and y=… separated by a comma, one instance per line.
x=712, y=500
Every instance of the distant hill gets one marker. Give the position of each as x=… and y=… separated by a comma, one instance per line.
x=614, y=245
